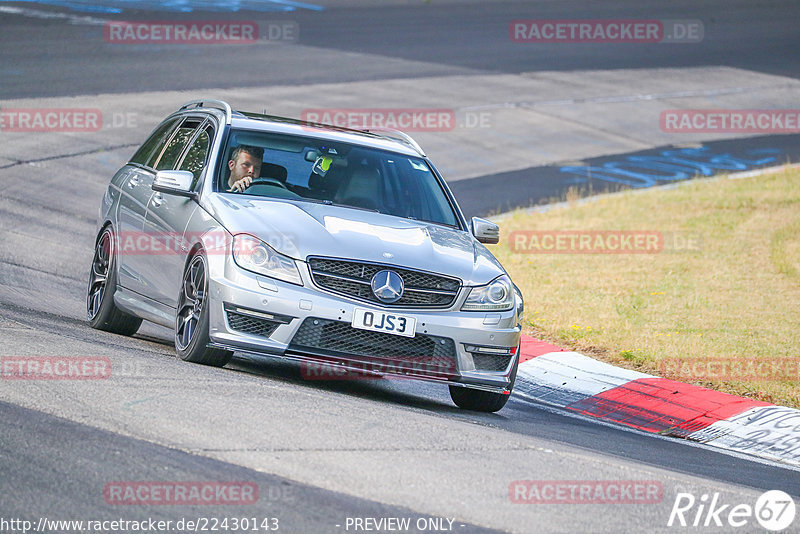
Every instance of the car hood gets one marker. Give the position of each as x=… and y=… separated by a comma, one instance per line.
x=303, y=229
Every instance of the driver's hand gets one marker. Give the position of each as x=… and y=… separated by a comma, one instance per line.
x=240, y=185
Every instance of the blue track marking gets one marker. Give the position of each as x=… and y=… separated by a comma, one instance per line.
x=672, y=165
x=605, y=174
x=180, y=6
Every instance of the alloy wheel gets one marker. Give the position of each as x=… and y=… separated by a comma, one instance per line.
x=191, y=302
x=99, y=276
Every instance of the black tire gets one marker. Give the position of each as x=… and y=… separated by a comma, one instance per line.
x=483, y=401
x=191, y=321
x=101, y=312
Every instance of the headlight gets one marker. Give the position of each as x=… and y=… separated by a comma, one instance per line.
x=256, y=256
x=497, y=295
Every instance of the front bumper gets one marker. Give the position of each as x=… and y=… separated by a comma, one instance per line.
x=260, y=317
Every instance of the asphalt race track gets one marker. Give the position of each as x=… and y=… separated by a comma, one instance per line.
x=324, y=453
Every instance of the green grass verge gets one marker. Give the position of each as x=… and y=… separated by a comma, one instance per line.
x=719, y=306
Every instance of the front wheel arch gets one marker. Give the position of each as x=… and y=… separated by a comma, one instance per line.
x=484, y=401
x=192, y=315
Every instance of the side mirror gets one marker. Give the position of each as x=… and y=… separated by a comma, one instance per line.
x=485, y=231
x=175, y=183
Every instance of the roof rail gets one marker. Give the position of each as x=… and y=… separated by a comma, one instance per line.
x=216, y=104
x=397, y=135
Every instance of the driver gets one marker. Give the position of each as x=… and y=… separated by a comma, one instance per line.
x=245, y=166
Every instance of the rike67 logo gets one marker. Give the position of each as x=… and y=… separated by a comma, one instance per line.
x=774, y=510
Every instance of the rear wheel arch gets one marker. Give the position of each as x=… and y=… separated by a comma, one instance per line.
x=102, y=313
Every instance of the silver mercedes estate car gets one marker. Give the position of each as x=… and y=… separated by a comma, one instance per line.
x=341, y=249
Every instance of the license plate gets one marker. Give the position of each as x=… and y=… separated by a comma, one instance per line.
x=389, y=323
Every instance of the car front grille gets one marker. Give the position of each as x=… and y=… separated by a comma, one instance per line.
x=353, y=279
x=491, y=362
x=251, y=325
x=337, y=340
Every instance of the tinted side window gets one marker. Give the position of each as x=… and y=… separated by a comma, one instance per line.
x=157, y=139
x=174, y=149
x=196, y=157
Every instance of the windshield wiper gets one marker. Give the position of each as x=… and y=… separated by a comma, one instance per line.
x=327, y=202
x=355, y=207
x=431, y=222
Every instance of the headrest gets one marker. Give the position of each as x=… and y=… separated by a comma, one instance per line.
x=271, y=170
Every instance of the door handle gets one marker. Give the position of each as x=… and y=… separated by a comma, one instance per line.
x=157, y=200
x=133, y=182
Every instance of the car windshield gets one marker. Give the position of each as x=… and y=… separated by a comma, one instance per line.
x=316, y=170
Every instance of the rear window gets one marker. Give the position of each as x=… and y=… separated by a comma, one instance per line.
x=176, y=145
x=196, y=157
x=155, y=141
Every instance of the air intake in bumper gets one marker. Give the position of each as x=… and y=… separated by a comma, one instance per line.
x=338, y=341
